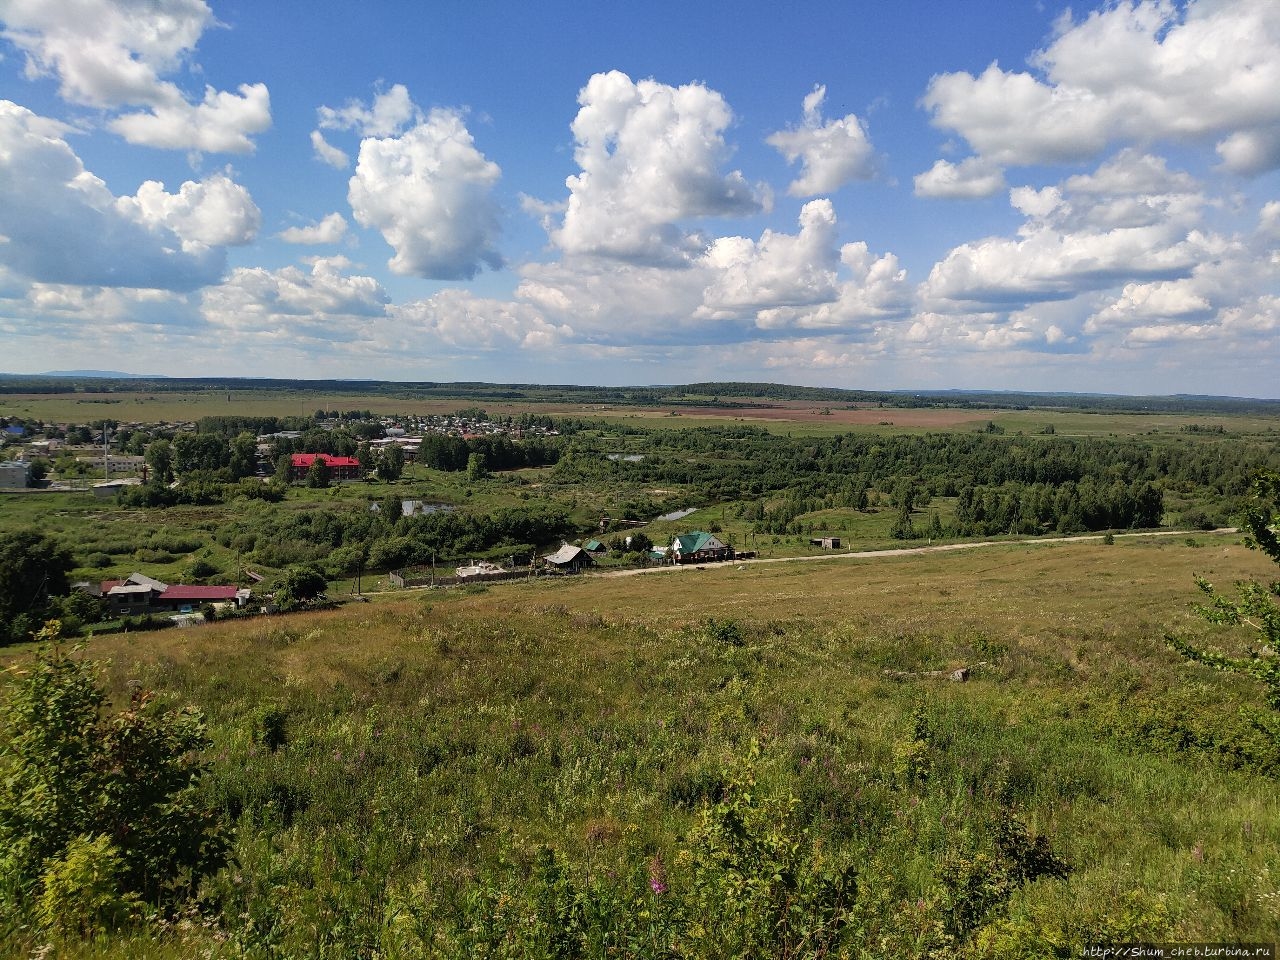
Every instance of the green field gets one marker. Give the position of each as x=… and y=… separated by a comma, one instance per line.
x=786, y=417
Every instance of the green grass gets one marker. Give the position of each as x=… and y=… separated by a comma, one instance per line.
x=437, y=741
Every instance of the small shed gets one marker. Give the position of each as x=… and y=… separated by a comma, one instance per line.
x=106, y=489
x=569, y=559
x=827, y=543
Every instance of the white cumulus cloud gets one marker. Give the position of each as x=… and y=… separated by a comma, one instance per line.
x=327, y=153
x=1078, y=237
x=780, y=270
x=114, y=55
x=613, y=302
x=329, y=230
x=1162, y=300
x=429, y=192
x=389, y=113
x=323, y=304
x=650, y=157
x=1135, y=71
x=831, y=153
x=781, y=282
x=64, y=226
x=461, y=319
x=970, y=179
x=222, y=123
x=871, y=289
x=215, y=212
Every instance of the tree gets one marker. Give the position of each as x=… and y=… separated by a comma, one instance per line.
x=97, y=811
x=903, y=529
x=319, y=474
x=80, y=609
x=159, y=458
x=244, y=456
x=198, y=451
x=390, y=463
x=33, y=569
x=477, y=467
x=298, y=585
x=935, y=527
x=1254, y=604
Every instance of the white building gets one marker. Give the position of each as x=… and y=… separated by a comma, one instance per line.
x=14, y=475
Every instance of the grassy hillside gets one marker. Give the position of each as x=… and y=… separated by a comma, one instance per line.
x=752, y=761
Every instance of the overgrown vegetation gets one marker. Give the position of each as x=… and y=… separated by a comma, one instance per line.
x=101, y=821
x=1254, y=605
x=751, y=763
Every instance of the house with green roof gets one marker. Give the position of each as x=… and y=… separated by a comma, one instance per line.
x=697, y=546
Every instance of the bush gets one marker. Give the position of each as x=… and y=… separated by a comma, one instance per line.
x=1196, y=520
x=81, y=891
x=299, y=585
x=200, y=568
x=98, y=812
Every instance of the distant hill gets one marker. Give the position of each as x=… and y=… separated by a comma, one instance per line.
x=101, y=375
x=726, y=395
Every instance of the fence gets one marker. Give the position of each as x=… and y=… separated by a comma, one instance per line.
x=423, y=576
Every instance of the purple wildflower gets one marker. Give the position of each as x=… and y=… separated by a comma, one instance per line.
x=657, y=875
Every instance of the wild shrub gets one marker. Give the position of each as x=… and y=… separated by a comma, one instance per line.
x=726, y=632
x=269, y=726
x=975, y=884
x=1254, y=605
x=81, y=891
x=70, y=774
x=747, y=881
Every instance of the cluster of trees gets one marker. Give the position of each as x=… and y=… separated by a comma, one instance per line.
x=343, y=542
x=441, y=451
x=1067, y=508
x=33, y=578
x=638, y=542
x=229, y=426
x=1040, y=482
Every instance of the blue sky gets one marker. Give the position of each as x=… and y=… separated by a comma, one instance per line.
x=876, y=195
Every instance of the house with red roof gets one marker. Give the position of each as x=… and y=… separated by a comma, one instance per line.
x=340, y=468
x=143, y=594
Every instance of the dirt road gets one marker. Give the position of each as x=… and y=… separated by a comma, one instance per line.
x=909, y=551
